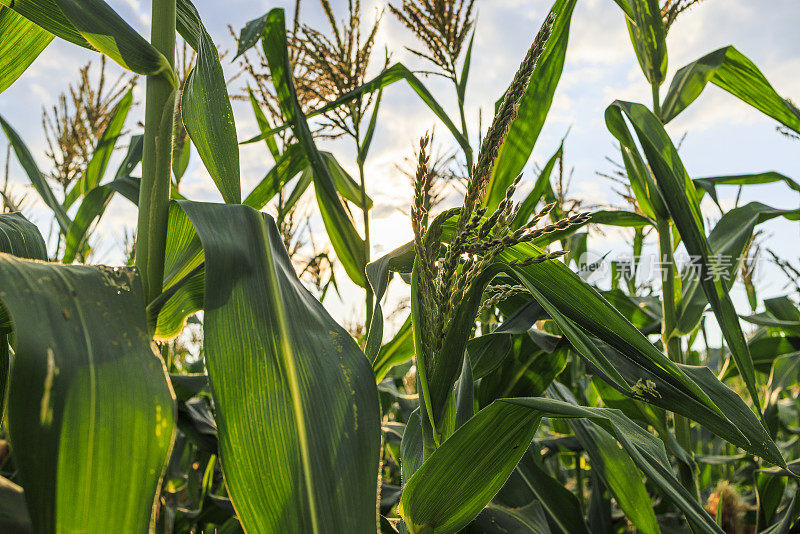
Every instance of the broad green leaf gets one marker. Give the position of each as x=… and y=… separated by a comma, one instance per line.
x=19, y=237
x=648, y=36
x=454, y=484
x=681, y=199
x=208, y=117
x=108, y=33
x=344, y=237
x=296, y=401
x=86, y=390
x=727, y=241
x=639, y=175
x=21, y=42
x=533, y=108
x=392, y=74
x=48, y=15
x=732, y=71
x=36, y=177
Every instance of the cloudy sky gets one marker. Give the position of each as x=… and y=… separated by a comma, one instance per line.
x=723, y=136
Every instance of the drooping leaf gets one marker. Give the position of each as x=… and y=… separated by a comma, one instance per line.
x=681, y=199
x=86, y=390
x=648, y=36
x=21, y=42
x=208, y=116
x=108, y=33
x=349, y=246
x=533, y=108
x=19, y=237
x=297, y=406
x=732, y=71
x=709, y=184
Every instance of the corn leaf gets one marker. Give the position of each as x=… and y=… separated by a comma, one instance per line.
x=92, y=207
x=21, y=42
x=35, y=176
x=648, y=36
x=533, y=108
x=101, y=155
x=732, y=71
x=48, y=15
x=80, y=397
x=108, y=33
x=208, y=117
x=19, y=237
x=392, y=74
x=296, y=401
x=709, y=184
x=344, y=237
x=728, y=240
x=681, y=199
x=454, y=484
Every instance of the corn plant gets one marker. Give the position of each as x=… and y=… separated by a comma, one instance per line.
x=534, y=397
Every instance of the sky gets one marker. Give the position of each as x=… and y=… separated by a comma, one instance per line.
x=722, y=135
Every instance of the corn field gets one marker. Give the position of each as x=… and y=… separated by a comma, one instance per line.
x=500, y=386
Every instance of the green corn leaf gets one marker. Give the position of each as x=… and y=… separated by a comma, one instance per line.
x=648, y=36
x=289, y=164
x=21, y=42
x=528, y=519
x=82, y=397
x=728, y=239
x=390, y=75
x=560, y=504
x=462, y=82
x=48, y=15
x=208, y=117
x=614, y=467
x=296, y=401
x=92, y=207
x=344, y=237
x=108, y=33
x=709, y=185
x=20, y=237
x=533, y=108
x=732, y=71
x=96, y=168
x=35, y=176
x=411, y=447
x=454, y=484
x=682, y=201
x=263, y=123
x=396, y=351
x=529, y=203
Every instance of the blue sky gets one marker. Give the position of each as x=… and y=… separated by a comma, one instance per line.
x=723, y=136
